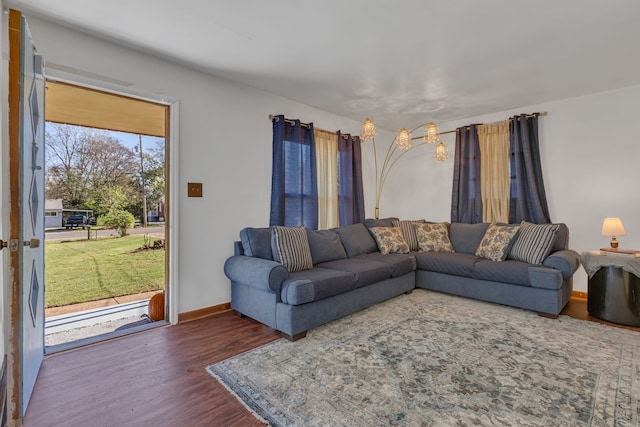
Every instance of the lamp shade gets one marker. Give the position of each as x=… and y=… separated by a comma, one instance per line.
x=613, y=227
x=367, y=130
x=403, y=139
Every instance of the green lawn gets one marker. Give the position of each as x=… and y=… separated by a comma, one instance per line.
x=87, y=270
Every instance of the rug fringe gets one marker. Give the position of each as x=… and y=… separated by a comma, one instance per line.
x=247, y=407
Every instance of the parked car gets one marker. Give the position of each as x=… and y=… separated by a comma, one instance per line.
x=92, y=221
x=74, y=221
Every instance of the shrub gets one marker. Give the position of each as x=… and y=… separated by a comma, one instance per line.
x=118, y=219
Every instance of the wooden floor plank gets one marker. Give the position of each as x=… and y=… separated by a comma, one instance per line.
x=158, y=377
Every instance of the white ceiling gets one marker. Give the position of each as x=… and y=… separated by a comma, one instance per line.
x=400, y=62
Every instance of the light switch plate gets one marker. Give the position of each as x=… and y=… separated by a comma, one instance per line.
x=194, y=189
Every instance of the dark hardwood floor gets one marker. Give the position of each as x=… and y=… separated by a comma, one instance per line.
x=153, y=378
x=157, y=377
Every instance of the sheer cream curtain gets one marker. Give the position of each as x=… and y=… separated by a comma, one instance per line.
x=495, y=174
x=327, y=171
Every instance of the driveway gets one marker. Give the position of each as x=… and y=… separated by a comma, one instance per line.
x=63, y=234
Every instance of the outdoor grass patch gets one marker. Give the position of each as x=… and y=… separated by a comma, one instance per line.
x=87, y=270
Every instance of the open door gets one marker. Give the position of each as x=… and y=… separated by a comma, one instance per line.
x=26, y=193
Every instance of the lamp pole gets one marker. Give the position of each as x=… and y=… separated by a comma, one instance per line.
x=390, y=160
x=144, y=187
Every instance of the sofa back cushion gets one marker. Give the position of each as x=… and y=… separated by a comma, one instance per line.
x=325, y=246
x=465, y=238
x=256, y=242
x=382, y=222
x=356, y=239
x=562, y=238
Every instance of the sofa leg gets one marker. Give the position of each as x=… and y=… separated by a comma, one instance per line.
x=295, y=337
x=409, y=292
x=547, y=315
x=237, y=313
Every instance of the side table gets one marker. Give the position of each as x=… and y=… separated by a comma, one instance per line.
x=614, y=287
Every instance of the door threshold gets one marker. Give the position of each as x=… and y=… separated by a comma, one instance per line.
x=72, y=345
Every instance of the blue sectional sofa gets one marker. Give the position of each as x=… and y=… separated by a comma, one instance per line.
x=349, y=273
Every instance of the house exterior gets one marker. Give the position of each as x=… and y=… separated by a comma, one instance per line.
x=53, y=213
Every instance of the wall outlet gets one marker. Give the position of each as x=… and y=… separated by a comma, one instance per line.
x=194, y=189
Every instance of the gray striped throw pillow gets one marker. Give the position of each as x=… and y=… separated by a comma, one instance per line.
x=290, y=247
x=534, y=242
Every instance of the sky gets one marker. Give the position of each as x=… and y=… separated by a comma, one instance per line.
x=131, y=140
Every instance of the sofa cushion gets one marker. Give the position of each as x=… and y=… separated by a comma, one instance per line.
x=496, y=242
x=356, y=239
x=296, y=292
x=382, y=222
x=509, y=271
x=366, y=271
x=433, y=237
x=562, y=238
x=316, y=284
x=291, y=248
x=466, y=237
x=399, y=264
x=409, y=232
x=256, y=242
x=390, y=240
x=325, y=245
x=534, y=242
x=447, y=263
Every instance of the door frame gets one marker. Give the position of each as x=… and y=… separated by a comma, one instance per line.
x=171, y=171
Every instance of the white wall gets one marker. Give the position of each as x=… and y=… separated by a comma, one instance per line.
x=587, y=146
x=224, y=142
x=590, y=152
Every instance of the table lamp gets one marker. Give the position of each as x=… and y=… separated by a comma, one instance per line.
x=613, y=227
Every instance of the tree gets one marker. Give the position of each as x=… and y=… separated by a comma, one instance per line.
x=118, y=219
x=86, y=168
x=153, y=176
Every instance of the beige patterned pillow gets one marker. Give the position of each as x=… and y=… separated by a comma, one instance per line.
x=496, y=242
x=390, y=240
x=433, y=237
x=408, y=231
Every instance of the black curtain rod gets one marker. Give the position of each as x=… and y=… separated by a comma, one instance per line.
x=544, y=113
x=292, y=122
x=307, y=125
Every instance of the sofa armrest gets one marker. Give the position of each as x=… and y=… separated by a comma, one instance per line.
x=260, y=273
x=545, y=277
x=567, y=261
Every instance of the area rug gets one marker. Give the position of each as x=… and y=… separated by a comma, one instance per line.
x=430, y=359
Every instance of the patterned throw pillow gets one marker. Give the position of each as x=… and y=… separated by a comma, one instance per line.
x=534, y=242
x=290, y=247
x=496, y=242
x=433, y=237
x=390, y=240
x=408, y=231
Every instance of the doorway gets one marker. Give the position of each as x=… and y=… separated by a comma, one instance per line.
x=107, y=176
